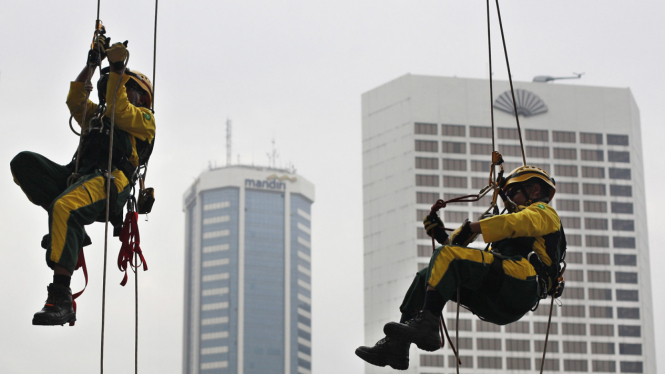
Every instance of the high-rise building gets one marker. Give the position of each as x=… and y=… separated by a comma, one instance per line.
x=248, y=272
x=426, y=138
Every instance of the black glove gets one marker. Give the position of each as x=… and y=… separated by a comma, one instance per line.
x=98, y=51
x=463, y=236
x=434, y=228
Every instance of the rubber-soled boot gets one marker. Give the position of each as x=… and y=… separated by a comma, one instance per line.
x=423, y=330
x=387, y=351
x=59, y=308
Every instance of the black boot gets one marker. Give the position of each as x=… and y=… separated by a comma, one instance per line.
x=387, y=351
x=59, y=308
x=423, y=330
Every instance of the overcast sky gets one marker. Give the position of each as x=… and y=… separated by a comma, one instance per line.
x=289, y=70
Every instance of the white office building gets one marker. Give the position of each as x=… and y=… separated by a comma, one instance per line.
x=248, y=272
x=428, y=137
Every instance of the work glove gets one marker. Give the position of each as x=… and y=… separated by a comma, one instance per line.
x=434, y=228
x=463, y=236
x=98, y=52
x=117, y=55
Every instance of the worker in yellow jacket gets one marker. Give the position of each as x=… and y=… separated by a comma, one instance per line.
x=75, y=198
x=500, y=285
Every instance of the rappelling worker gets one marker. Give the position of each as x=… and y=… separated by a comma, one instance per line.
x=82, y=201
x=500, y=285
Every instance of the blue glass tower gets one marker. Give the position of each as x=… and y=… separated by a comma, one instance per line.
x=248, y=272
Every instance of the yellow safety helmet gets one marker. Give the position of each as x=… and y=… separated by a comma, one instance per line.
x=524, y=173
x=142, y=81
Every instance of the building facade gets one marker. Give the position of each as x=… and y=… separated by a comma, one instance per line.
x=248, y=272
x=426, y=138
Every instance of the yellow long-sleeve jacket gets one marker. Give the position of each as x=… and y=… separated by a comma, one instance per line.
x=535, y=228
x=136, y=121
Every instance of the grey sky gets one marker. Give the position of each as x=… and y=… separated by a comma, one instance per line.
x=293, y=70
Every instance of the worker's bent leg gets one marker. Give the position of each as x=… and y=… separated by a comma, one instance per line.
x=41, y=179
x=415, y=296
x=80, y=205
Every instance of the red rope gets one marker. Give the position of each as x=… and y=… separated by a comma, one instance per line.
x=131, y=244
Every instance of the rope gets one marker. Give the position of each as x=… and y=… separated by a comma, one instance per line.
x=489, y=49
x=547, y=335
x=108, y=203
x=458, y=362
x=510, y=79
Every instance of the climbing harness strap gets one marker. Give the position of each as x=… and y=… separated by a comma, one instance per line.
x=131, y=246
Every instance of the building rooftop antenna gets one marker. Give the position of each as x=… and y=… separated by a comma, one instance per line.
x=273, y=155
x=228, y=142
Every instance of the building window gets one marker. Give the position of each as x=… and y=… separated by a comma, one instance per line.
x=628, y=313
x=514, y=363
x=425, y=128
x=593, y=172
x=511, y=165
x=483, y=166
x=625, y=260
x=590, y=155
x=568, y=205
x=516, y=345
x=616, y=173
x=538, y=152
x=424, y=250
x=598, y=366
x=551, y=364
x=567, y=187
x=575, y=275
x=616, y=190
x=552, y=346
x=508, y=133
x=489, y=362
x=565, y=153
x=565, y=170
x=595, y=206
x=467, y=361
x=421, y=233
x=427, y=197
x=450, y=216
x=487, y=327
x=597, y=258
x=481, y=149
x=631, y=367
x=545, y=167
x=602, y=348
x=630, y=349
x=574, y=347
x=541, y=328
x=602, y=330
x=600, y=312
x=617, y=139
x=484, y=201
x=518, y=327
x=537, y=135
x=454, y=182
x=591, y=138
x=453, y=147
x=453, y=130
x=570, y=222
x=593, y=189
x=573, y=311
x=574, y=257
x=623, y=242
x=421, y=214
x=623, y=225
x=478, y=182
x=630, y=331
x=574, y=240
x=626, y=277
x=600, y=294
x=454, y=164
x=575, y=365
x=427, y=163
x=431, y=360
x=622, y=207
x=628, y=295
x=595, y=224
x=563, y=136
x=545, y=311
x=599, y=276
x=510, y=150
x=427, y=146
x=464, y=324
x=599, y=241
x=427, y=180
x=480, y=132
x=465, y=343
x=487, y=344
x=614, y=156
